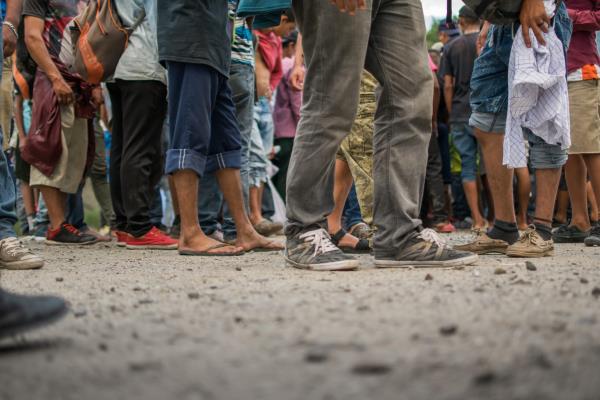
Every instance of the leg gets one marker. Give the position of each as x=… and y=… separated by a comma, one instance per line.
x=116, y=155
x=329, y=107
x=144, y=108
x=593, y=205
x=99, y=178
x=341, y=189
x=56, y=203
x=524, y=193
x=8, y=216
x=435, y=183
x=397, y=57
x=576, y=174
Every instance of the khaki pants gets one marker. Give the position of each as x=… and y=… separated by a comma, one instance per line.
x=68, y=173
x=357, y=148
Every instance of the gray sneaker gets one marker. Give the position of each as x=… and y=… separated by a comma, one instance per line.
x=13, y=255
x=314, y=250
x=593, y=239
x=427, y=249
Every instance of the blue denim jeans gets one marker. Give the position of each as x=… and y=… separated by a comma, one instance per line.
x=8, y=215
x=261, y=142
x=210, y=202
x=352, y=214
x=489, y=88
x=466, y=145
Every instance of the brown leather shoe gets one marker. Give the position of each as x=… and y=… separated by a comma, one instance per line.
x=531, y=245
x=483, y=244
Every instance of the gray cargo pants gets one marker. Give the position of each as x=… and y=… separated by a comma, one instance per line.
x=389, y=41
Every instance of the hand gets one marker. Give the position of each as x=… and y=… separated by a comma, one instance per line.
x=482, y=38
x=350, y=5
x=297, y=78
x=97, y=97
x=22, y=143
x=63, y=91
x=533, y=15
x=9, y=43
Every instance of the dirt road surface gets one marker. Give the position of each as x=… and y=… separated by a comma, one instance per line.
x=153, y=325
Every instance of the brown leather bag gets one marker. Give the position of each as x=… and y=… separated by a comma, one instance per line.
x=99, y=40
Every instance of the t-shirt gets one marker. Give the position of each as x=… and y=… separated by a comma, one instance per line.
x=271, y=51
x=194, y=31
x=57, y=15
x=459, y=58
x=242, y=47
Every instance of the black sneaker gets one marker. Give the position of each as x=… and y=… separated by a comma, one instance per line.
x=569, y=234
x=427, y=249
x=67, y=234
x=22, y=313
x=594, y=237
x=314, y=250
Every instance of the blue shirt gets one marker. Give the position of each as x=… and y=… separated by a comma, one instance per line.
x=242, y=47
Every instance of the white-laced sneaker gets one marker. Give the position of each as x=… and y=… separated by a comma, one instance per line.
x=314, y=250
x=13, y=255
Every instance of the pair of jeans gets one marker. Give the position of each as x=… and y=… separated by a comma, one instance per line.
x=466, y=144
x=261, y=142
x=388, y=39
x=434, y=183
x=210, y=199
x=136, y=157
x=8, y=215
x=351, y=215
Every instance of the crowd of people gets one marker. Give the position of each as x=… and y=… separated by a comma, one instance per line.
x=337, y=116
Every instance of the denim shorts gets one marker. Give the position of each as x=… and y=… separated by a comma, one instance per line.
x=466, y=145
x=489, y=81
x=204, y=133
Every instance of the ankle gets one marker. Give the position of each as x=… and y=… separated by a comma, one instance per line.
x=543, y=230
x=506, y=231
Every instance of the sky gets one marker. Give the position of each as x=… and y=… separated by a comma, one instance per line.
x=437, y=8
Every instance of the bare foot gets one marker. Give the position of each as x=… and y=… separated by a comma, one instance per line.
x=201, y=243
x=251, y=240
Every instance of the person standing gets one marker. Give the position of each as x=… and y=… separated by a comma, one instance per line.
x=138, y=97
x=194, y=44
x=57, y=166
x=459, y=58
x=387, y=38
x=583, y=68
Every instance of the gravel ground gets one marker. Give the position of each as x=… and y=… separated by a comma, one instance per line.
x=154, y=325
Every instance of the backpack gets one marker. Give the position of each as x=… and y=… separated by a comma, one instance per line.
x=99, y=39
x=498, y=12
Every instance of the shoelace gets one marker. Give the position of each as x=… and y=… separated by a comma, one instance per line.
x=429, y=235
x=13, y=247
x=71, y=229
x=321, y=240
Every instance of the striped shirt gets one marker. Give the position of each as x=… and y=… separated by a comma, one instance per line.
x=242, y=47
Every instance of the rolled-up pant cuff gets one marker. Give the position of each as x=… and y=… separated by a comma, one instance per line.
x=180, y=159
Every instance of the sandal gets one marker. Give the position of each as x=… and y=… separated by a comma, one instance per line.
x=362, y=247
x=207, y=252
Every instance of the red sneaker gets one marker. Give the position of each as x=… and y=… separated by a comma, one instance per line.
x=154, y=239
x=122, y=238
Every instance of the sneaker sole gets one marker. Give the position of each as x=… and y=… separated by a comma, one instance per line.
x=530, y=254
x=592, y=243
x=18, y=265
x=151, y=247
x=121, y=244
x=427, y=264
x=349, y=265
x=53, y=243
x=34, y=325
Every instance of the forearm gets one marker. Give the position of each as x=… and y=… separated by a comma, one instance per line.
x=13, y=11
x=19, y=121
x=38, y=51
x=585, y=20
x=436, y=98
x=448, y=97
x=299, y=57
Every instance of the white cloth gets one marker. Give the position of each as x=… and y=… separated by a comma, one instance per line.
x=538, y=97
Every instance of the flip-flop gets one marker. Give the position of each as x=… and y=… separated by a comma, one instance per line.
x=207, y=253
x=362, y=247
